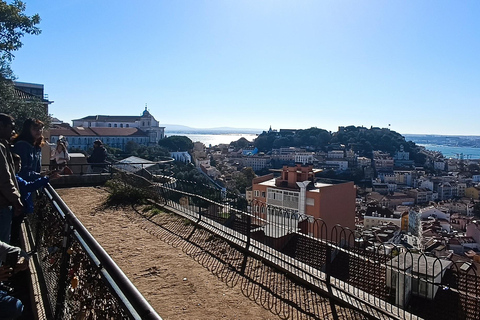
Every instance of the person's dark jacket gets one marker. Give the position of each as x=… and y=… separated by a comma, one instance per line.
x=9, y=193
x=31, y=157
x=27, y=187
x=99, y=155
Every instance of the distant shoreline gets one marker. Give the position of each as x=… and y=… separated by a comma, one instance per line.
x=212, y=138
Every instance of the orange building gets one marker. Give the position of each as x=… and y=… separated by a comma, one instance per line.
x=298, y=191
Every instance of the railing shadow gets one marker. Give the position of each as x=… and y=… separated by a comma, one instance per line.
x=273, y=290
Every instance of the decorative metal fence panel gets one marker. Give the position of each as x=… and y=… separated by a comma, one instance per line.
x=79, y=280
x=392, y=281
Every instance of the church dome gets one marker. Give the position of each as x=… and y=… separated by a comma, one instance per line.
x=146, y=113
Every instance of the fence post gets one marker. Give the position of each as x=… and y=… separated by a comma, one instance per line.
x=63, y=276
x=199, y=214
x=328, y=257
x=249, y=227
x=328, y=270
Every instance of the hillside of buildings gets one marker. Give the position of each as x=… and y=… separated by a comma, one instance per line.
x=361, y=140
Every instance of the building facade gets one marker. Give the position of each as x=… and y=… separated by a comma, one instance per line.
x=83, y=138
x=145, y=122
x=298, y=191
x=114, y=131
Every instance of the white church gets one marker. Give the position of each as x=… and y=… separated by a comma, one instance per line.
x=114, y=131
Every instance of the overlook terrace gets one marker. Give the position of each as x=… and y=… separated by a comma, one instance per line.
x=359, y=279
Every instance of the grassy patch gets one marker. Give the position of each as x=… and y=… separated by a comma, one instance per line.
x=122, y=193
x=155, y=211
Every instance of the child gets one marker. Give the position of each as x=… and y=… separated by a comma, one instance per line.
x=26, y=189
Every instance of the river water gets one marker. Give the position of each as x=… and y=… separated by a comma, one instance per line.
x=213, y=139
x=454, y=152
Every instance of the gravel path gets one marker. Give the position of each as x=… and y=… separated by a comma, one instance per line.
x=176, y=284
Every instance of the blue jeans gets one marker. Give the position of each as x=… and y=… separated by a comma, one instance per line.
x=10, y=307
x=6, y=215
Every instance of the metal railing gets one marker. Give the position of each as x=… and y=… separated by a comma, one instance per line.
x=109, y=167
x=78, y=279
x=388, y=281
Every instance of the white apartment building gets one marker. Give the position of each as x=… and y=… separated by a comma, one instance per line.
x=342, y=165
x=363, y=162
x=401, y=154
x=376, y=220
x=182, y=156
x=304, y=157
x=335, y=154
x=285, y=154
x=256, y=162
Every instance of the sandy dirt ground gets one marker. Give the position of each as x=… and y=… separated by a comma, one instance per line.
x=176, y=284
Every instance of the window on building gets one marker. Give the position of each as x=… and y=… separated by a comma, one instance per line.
x=310, y=202
x=291, y=196
x=115, y=125
x=109, y=125
x=121, y=125
x=275, y=194
x=256, y=193
x=127, y=125
x=263, y=194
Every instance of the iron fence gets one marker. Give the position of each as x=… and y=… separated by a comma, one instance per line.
x=112, y=166
x=382, y=281
x=78, y=278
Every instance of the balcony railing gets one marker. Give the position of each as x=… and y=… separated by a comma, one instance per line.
x=387, y=282
x=78, y=279
x=109, y=167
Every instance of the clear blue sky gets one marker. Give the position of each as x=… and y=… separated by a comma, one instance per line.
x=289, y=64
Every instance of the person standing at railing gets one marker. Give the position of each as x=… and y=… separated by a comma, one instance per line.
x=61, y=155
x=9, y=192
x=98, y=157
x=11, y=307
x=28, y=146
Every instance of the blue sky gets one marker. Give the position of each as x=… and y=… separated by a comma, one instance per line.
x=252, y=64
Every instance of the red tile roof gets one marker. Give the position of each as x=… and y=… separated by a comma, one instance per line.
x=94, y=132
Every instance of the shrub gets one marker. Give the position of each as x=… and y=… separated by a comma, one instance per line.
x=122, y=193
